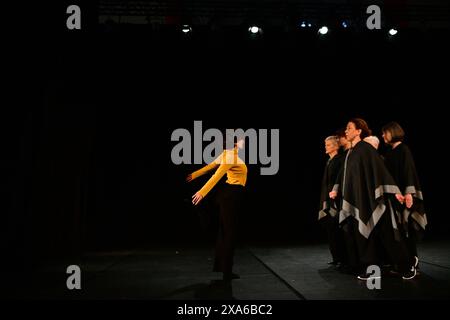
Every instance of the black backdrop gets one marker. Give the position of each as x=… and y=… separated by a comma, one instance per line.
x=87, y=164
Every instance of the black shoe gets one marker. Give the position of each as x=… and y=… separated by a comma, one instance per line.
x=230, y=276
x=410, y=274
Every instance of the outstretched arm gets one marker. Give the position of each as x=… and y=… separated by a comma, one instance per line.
x=223, y=168
x=202, y=171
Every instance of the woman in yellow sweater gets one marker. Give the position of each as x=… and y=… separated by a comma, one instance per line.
x=229, y=198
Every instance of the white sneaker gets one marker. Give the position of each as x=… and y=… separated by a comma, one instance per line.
x=367, y=276
x=416, y=261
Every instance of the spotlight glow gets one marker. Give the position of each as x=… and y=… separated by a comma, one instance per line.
x=254, y=29
x=186, y=29
x=303, y=25
x=344, y=24
x=393, y=32
x=323, y=30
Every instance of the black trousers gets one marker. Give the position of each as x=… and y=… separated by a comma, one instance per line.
x=415, y=235
x=411, y=231
x=229, y=199
x=349, y=230
x=335, y=238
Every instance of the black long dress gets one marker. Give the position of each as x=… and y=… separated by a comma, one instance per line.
x=329, y=208
x=400, y=164
x=368, y=191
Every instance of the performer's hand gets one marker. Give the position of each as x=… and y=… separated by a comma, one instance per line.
x=409, y=200
x=333, y=195
x=196, y=198
x=189, y=178
x=400, y=197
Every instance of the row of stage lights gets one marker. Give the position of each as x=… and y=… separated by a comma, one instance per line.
x=322, y=30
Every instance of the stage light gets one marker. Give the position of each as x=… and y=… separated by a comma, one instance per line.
x=186, y=29
x=344, y=24
x=303, y=24
x=254, y=29
x=309, y=25
x=323, y=30
x=393, y=32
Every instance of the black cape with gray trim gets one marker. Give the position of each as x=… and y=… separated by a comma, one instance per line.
x=330, y=179
x=400, y=163
x=367, y=187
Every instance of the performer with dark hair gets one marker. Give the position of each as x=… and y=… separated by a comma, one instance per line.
x=366, y=186
x=400, y=163
x=351, y=264
x=229, y=197
x=343, y=142
x=329, y=209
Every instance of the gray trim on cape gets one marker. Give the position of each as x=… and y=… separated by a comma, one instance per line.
x=363, y=228
x=421, y=219
x=382, y=189
x=412, y=190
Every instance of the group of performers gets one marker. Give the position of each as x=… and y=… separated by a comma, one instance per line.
x=371, y=206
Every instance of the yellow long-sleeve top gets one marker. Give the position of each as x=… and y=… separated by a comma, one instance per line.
x=228, y=162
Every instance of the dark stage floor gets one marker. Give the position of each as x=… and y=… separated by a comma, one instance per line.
x=275, y=273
